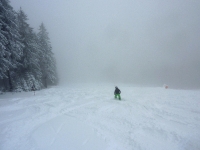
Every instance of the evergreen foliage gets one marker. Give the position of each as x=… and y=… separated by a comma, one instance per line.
x=47, y=60
x=26, y=58
x=10, y=46
x=30, y=71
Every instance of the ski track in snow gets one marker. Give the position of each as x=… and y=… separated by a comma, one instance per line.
x=145, y=119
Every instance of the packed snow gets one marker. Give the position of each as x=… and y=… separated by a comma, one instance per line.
x=88, y=117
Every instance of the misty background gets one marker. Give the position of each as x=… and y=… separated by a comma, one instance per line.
x=122, y=41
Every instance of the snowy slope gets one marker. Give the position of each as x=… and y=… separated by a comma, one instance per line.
x=88, y=117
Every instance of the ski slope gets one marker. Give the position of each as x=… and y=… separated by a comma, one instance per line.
x=88, y=117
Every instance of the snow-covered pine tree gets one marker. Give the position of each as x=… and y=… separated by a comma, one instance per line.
x=47, y=60
x=3, y=42
x=29, y=73
x=10, y=46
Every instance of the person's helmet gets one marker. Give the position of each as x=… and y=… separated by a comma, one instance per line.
x=116, y=87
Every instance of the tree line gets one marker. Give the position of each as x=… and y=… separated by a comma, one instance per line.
x=26, y=57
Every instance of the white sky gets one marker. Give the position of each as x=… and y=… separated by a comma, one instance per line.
x=134, y=41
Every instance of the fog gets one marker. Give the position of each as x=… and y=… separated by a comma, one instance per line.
x=122, y=41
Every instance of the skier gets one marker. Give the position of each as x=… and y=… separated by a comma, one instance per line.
x=117, y=93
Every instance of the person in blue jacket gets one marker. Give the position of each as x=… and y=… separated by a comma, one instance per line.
x=117, y=93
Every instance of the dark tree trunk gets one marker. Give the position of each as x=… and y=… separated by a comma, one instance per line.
x=45, y=81
x=9, y=81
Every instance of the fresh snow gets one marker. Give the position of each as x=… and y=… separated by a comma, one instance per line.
x=88, y=117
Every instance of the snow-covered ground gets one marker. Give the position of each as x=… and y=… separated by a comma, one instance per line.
x=88, y=117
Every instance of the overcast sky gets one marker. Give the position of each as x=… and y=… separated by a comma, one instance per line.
x=122, y=41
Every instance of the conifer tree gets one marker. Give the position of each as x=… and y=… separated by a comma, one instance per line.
x=10, y=46
x=29, y=73
x=47, y=60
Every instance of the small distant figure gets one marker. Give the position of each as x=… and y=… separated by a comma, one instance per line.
x=117, y=93
x=33, y=88
x=165, y=86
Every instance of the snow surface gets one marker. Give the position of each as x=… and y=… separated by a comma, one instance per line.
x=88, y=117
